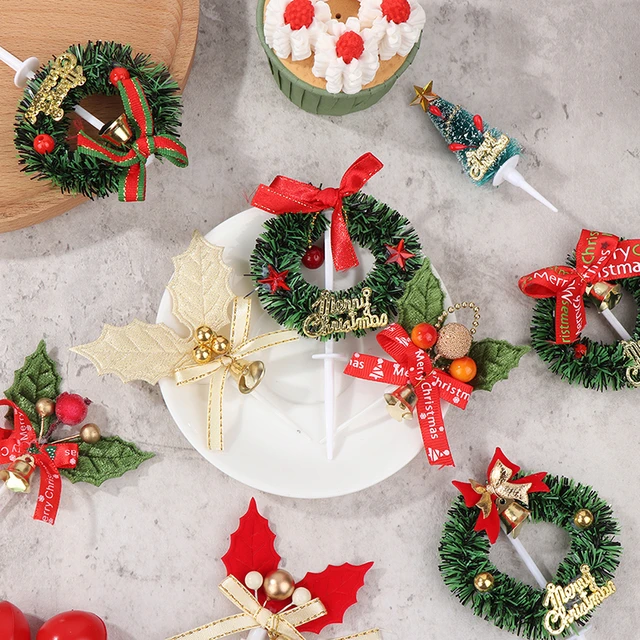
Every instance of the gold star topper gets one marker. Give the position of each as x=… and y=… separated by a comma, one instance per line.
x=424, y=96
x=202, y=300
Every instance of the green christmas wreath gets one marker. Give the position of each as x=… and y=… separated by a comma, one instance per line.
x=593, y=364
x=509, y=603
x=79, y=172
x=370, y=223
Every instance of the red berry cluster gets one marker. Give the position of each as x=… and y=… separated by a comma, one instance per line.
x=298, y=14
x=396, y=10
x=350, y=46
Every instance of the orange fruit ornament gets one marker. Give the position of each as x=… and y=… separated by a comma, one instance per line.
x=424, y=335
x=463, y=369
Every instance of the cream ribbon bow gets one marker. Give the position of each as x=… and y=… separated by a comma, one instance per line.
x=279, y=626
x=498, y=484
x=241, y=346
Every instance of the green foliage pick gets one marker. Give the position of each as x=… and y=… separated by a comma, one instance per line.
x=423, y=299
x=110, y=457
x=38, y=378
x=494, y=359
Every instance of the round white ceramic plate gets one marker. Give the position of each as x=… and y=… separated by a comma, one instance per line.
x=274, y=437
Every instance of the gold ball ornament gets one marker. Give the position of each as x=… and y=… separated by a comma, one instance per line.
x=4, y=475
x=204, y=334
x=454, y=341
x=220, y=345
x=202, y=354
x=90, y=433
x=279, y=585
x=484, y=582
x=583, y=518
x=45, y=407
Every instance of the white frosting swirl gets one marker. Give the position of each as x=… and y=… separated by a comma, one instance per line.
x=297, y=43
x=340, y=76
x=393, y=39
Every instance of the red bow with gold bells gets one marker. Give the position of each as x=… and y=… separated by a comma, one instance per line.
x=23, y=453
x=133, y=180
x=600, y=258
x=285, y=195
x=501, y=496
x=421, y=386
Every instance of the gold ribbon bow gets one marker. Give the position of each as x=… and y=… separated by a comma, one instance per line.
x=279, y=626
x=241, y=346
x=498, y=485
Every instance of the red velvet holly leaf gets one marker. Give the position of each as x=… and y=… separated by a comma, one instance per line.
x=252, y=546
x=337, y=588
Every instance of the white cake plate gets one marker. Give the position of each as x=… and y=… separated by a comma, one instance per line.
x=274, y=437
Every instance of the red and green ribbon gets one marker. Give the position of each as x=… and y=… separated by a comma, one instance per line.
x=133, y=179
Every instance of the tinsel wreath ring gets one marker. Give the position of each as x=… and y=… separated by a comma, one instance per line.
x=511, y=604
x=371, y=224
x=80, y=173
x=594, y=364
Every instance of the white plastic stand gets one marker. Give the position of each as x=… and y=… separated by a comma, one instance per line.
x=257, y=634
x=509, y=173
x=538, y=576
x=5, y=496
x=615, y=323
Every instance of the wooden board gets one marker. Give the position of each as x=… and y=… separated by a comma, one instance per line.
x=165, y=29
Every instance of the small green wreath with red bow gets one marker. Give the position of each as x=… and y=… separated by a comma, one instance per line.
x=47, y=128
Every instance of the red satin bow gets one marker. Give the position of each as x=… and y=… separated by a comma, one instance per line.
x=491, y=524
x=49, y=458
x=285, y=195
x=600, y=257
x=413, y=365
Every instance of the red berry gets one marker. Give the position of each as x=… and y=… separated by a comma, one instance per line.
x=456, y=146
x=71, y=408
x=44, y=144
x=435, y=110
x=463, y=369
x=424, y=335
x=579, y=351
x=350, y=46
x=477, y=121
x=313, y=257
x=298, y=14
x=396, y=10
x=13, y=624
x=118, y=75
x=73, y=625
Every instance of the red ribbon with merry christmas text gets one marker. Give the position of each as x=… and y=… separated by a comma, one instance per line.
x=133, y=179
x=600, y=257
x=500, y=484
x=285, y=195
x=413, y=366
x=49, y=458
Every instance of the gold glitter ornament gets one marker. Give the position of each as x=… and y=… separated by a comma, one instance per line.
x=454, y=341
x=583, y=518
x=484, y=582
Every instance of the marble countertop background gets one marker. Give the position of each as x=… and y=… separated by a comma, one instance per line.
x=144, y=551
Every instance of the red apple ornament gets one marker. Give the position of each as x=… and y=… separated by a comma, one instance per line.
x=73, y=625
x=13, y=624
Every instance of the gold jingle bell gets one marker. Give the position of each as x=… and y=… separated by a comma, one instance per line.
x=16, y=476
x=454, y=341
x=279, y=585
x=118, y=132
x=484, y=582
x=513, y=515
x=604, y=295
x=401, y=402
x=247, y=374
x=583, y=518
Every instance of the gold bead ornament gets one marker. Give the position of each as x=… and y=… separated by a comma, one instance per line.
x=484, y=582
x=204, y=334
x=45, y=407
x=279, y=585
x=90, y=433
x=454, y=339
x=220, y=345
x=583, y=518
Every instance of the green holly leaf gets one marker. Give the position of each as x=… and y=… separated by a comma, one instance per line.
x=423, y=299
x=494, y=359
x=108, y=458
x=38, y=378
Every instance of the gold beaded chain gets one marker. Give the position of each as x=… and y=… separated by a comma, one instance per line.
x=456, y=307
x=449, y=120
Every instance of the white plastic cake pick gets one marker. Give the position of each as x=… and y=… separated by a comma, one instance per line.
x=26, y=70
x=615, y=324
x=509, y=173
x=4, y=500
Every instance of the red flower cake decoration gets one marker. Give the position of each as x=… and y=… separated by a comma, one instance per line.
x=288, y=608
x=600, y=258
x=502, y=496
